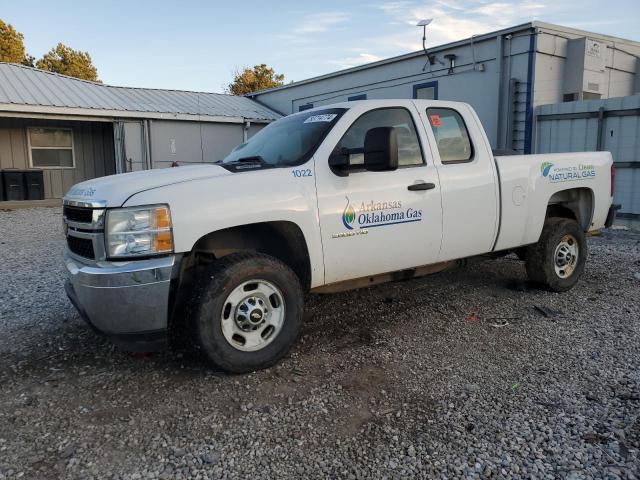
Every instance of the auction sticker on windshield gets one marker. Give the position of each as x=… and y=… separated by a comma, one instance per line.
x=327, y=117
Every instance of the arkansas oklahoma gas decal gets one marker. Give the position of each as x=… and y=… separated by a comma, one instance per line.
x=372, y=214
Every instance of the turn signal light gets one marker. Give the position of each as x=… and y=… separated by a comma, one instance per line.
x=162, y=218
x=163, y=242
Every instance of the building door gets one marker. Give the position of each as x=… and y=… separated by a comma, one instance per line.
x=134, y=147
x=378, y=222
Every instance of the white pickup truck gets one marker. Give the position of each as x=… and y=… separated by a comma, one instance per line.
x=337, y=197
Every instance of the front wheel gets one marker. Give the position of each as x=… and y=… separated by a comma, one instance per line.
x=557, y=260
x=247, y=311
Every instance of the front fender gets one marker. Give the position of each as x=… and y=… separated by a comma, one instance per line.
x=270, y=195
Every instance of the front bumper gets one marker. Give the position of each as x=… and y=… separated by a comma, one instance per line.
x=128, y=301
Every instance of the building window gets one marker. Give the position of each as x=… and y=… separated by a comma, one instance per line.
x=51, y=147
x=452, y=136
x=306, y=106
x=426, y=91
x=362, y=96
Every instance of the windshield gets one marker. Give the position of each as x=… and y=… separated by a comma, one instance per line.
x=289, y=141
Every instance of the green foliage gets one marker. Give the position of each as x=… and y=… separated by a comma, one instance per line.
x=11, y=44
x=248, y=80
x=67, y=61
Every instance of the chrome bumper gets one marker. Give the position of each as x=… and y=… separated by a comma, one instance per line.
x=125, y=300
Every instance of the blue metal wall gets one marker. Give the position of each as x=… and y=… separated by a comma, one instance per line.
x=574, y=127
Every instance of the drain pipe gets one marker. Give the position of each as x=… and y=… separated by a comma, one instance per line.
x=501, y=100
x=245, y=131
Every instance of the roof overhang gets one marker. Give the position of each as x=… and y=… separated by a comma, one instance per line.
x=97, y=115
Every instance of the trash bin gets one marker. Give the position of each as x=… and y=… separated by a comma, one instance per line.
x=13, y=183
x=34, y=184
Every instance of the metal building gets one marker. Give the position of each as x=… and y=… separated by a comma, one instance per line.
x=73, y=130
x=503, y=74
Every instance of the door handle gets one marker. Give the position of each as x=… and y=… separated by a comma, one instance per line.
x=421, y=186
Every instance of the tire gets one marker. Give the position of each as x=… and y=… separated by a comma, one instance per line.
x=552, y=262
x=250, y=297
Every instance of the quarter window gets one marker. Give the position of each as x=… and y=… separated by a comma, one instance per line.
x=452, y=136
x=51, y=147
x=409, y=152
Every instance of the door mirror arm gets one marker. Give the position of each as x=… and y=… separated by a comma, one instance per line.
x=340, y=164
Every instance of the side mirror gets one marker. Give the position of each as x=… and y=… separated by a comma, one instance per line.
x=381, y=149
x=339, y=163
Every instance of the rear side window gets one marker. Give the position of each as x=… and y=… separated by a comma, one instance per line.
x=452, y=136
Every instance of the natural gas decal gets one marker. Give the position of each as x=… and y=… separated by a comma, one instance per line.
x=378, y=214
x=567, y=174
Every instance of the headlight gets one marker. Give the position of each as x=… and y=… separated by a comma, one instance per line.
x=138, y=231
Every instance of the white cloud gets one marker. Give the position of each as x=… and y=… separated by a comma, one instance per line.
x=352, y=61
x=320, y=22
x=388, y=28
x=455, y=19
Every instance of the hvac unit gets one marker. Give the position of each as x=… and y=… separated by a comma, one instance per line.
x=584, y=77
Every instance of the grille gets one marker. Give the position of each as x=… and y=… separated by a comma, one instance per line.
x=81, y=246
x=78, y=214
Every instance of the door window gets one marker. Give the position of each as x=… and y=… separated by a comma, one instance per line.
x=409, y=151
x=452, y=136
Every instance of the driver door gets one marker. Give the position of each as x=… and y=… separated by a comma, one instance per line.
x=377, y=222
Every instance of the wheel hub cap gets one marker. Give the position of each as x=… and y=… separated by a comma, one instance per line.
x=566, y=256
x=252, y=315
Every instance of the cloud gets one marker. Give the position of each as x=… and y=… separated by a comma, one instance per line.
x=320, y=22
x=353, y=61
x=310, y=25
x=388, y=28
x=458, y=19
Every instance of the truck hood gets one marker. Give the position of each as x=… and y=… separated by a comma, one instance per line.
x=116, y=189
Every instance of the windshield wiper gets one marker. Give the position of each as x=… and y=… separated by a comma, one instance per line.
x=252, y=159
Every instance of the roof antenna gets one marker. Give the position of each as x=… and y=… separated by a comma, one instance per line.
x=423, y=24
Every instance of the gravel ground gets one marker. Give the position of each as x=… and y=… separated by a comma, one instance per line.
x=453, y=375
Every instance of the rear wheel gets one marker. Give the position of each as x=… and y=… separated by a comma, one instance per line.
x=557, y=260
x=247, y=311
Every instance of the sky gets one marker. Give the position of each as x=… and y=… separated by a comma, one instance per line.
x=197, y=45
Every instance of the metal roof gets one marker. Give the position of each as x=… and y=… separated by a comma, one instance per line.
x=29, y=90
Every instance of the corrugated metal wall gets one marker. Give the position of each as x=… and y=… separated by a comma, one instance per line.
x=93, y=151
x=191, y=142
x=576, y=127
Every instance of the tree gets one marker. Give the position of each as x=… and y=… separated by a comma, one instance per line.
x=67, y=61
x=248, y=80
x=29, y=60
x=11, y=44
